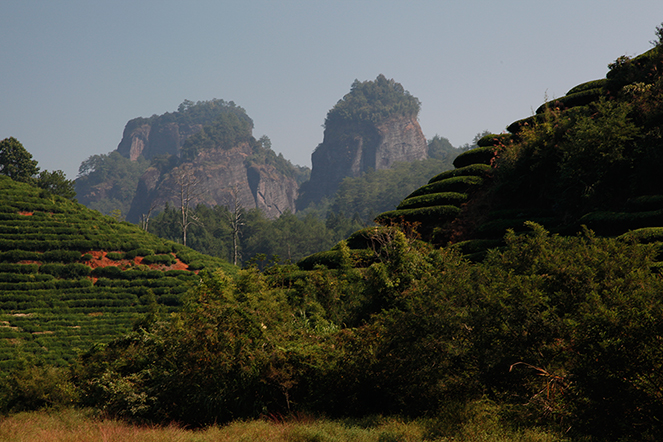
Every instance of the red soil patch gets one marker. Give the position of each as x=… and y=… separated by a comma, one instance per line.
x=25, y=213
x=100, y=260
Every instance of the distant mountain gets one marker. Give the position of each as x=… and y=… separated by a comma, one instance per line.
x=71, y=277
x=212, y=141
x=373, y=127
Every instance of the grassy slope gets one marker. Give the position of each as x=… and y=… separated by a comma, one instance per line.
x=73, y=425
x=71, y=277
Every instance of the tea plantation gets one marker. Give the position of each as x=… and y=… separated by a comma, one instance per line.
x=71, y=277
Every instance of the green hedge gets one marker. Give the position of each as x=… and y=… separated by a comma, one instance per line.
x=433, y=199
x=159, y=259
x=434, y=215
x=477, y=245
x=64, y=256
x=480, y=170
x=646, y=235
x=645, y=203
x=332, y=259
x=479, y=155
x=138, y=252
x=494, y=140
x=576, y=99
x=460, y=184
x=618, y=223
x=498, y=228
x=19, y=268
x=72, y=270
x=594, y=84
x=517, y=126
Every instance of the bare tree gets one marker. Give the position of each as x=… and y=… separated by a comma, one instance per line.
x=145, y=217
x=236, y=222
x=189, y=189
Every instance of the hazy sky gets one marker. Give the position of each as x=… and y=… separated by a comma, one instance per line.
x=74, y=72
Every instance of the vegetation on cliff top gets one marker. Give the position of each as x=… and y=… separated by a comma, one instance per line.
x=373, y=102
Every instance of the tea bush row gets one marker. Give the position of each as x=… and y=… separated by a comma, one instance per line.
x=460, y=184
x=433, y=199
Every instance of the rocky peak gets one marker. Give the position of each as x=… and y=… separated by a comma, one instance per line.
x=370, y=128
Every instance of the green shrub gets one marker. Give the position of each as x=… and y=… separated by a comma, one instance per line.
x=582, y=98
x=115, y=256
x=646, y=235
x=138, y=252
x=498, y=227
x=433, y=199
x=75, y=270
x=588, y=85
x=52, y=269
x=479, y=155
x=494, y=140
x=107, y=272
x=196, y=265
x=435, y=214
x=19, y=268
x=19, y=255
x=159, y=259
x=646, y=203
x=617, y=223
x=460, y=184
x=480, y=170
x=63, y=256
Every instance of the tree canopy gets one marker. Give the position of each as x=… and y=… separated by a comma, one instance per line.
x=16, y=162
x=373, y=101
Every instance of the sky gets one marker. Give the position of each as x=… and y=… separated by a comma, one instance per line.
x=73, y=73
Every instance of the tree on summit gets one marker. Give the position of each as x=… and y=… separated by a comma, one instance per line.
x=16, y=162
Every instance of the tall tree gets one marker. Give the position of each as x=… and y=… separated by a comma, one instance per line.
x=16, y=162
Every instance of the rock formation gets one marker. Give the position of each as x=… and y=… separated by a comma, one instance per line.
x=371, y=128
x=150, y=140
x=207, y=143
x=350, y=151
x=217, y=177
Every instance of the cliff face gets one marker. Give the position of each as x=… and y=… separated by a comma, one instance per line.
x=217, y=177
x=150, y=140
x=351, y=149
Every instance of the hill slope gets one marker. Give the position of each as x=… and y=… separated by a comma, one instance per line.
x=589, y=158
x=71, y=277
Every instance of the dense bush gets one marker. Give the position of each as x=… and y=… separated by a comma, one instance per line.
x=433, y=199
x=480, y=155
x=481, y=170
x=159, y=259
x=566, y=316
x=432, y=214
x=460, y=184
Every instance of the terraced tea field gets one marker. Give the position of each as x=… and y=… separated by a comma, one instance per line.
x=71, y=277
